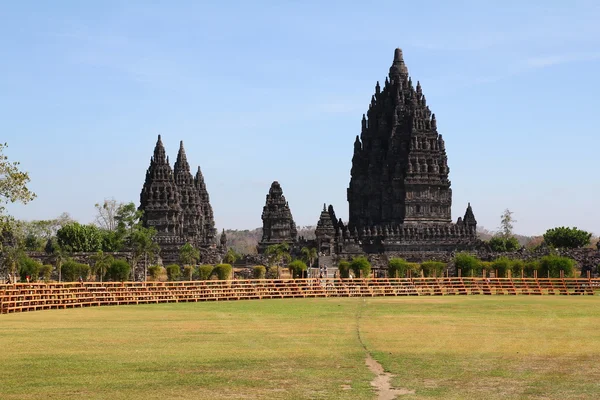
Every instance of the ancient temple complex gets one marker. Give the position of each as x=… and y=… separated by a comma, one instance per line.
x=399, y=194
x=176, y=204
x=278, y=224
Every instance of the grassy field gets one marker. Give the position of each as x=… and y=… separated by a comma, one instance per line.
x=441, y=347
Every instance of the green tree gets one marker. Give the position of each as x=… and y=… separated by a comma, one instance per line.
x=102, y=262
x=552, y=265
x=75, y=238
x=278, y=254
x=188, y=255
x=501, y=244
x=231, y=257
x=106, y=214
x=10, y=260
x=361, y=267
x=297, y=268
x=188, y=271
x=569, y=238
x=29, y=268
x=46, y=272
x=143, y=247
x=506, y=223
x=309, y=255
x=13, y=182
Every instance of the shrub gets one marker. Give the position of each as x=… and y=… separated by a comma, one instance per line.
x=46, y=272
x=344, y=268
x=398, y=267
x=173, y=272
x=118, y=271
x=188, y=271
x=484, y=266
x=297, y=268
x=530, y=267
x=204, y=272
x=516, y=267
x=503, y=244
x=468, y=264
x=570, y=238
x=502, y=265
x=272, y=272
x=71, y=271
x=433, y=268
x=552, y=265
x=155, y=271
x=223, y=271
x=29, y=268
x=361, y=267
x=259, y=272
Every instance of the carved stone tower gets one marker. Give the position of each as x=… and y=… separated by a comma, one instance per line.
x=399, y=169
x=278, y=224
x=160, y=199
x=207, y=212
x=189, y=199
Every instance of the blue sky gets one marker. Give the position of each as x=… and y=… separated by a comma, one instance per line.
x=262, y=91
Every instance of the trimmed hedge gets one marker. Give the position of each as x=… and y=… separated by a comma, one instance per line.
x=71, y=271
x=552, y=265
x=155, y=271
x=259, y=272
x=399, y=267
x=468, y=264
x=46, y=272
x=272, y=272
x=173, y=272
x=118, y=271
x=361, y=267
x=297, y=268
x=433, y=268
x=223, y=271
x=29, y=268
x=344, y=268
x=188, y=272
x=205, y=271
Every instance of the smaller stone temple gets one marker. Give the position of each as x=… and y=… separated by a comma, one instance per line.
x=176, y=204
x=278, y=223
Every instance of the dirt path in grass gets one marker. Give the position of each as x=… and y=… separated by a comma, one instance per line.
x=382, y=380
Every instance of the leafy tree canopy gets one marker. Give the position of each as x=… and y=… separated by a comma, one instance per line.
x=570, y=238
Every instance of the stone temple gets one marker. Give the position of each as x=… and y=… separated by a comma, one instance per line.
x=278, y=224
x=176, y=204
x=399, y=195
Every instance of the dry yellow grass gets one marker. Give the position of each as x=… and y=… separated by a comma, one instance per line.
x=451, y=347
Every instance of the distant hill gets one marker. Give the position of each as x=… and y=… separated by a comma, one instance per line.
x=245, y=241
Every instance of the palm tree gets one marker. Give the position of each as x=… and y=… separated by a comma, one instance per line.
x=309, y=255
x=278, y=254
x=143, y=245
x=101, y=263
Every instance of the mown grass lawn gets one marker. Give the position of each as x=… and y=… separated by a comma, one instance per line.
x=441, y=347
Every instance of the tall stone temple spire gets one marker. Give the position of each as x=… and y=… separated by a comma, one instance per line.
x=176, y=204
x=399, y=169
x=160, y=199
x=207, y=212
x=189, y=198
x=278, y=224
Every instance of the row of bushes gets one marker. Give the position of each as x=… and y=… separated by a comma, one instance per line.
x=548, y=266
x=189, y=272
x=70, y=270
x=400, y=268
